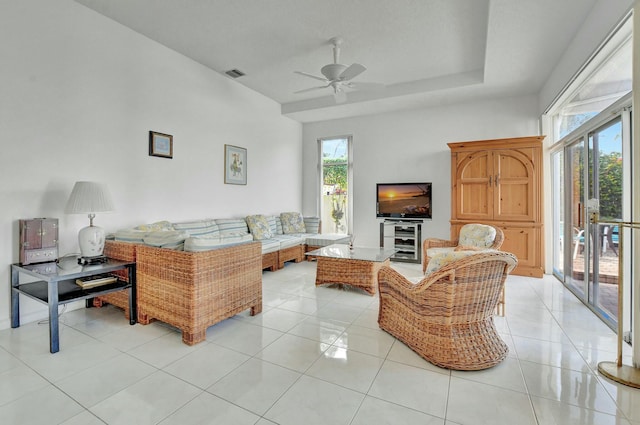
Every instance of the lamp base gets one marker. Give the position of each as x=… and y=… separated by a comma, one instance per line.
x=88, y=261
x=91, y=239
x=626, y=375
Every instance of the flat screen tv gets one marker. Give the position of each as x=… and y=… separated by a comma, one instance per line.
x=403, y=200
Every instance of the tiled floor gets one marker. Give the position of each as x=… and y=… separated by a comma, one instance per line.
x=314, y=356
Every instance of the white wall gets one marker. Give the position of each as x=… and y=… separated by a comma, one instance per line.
x=80, y=93
x=412, y=146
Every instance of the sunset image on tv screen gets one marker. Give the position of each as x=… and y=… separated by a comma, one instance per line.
x=404, y=199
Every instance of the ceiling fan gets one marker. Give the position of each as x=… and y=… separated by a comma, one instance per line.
x=339, y=76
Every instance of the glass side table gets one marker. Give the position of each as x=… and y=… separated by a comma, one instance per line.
x=55, y=286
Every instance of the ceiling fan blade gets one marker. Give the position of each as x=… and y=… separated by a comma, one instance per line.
x=310, y=89
x=352, y=71
x=311, y=76
x=340, y=96
x=366, y=86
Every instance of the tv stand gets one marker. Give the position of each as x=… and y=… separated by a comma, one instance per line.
x=405, y=236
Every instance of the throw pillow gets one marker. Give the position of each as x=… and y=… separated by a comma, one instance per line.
x=259, y=227
x=479, y=235
x=292, y=222
x=159, y=226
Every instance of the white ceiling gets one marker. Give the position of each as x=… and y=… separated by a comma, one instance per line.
x=425, y=52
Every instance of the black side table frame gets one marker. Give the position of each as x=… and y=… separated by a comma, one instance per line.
x=57, y=286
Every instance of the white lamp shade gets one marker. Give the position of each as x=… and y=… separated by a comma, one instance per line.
x=89, y=197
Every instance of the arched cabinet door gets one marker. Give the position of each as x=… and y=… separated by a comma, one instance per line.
x=473, y=186
x=513, y=195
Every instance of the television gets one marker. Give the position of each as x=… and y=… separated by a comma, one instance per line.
x=403, y=200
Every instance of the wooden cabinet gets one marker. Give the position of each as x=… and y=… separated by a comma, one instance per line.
x=499, y=182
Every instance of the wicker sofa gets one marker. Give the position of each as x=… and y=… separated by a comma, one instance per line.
x=194, y=274
x=190, y=290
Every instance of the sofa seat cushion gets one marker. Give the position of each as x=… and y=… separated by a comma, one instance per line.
x=292, y=222
x=198, y=228
x=130, y=235
x=208, y=243
x=270, y=245
x=170, y=239
x=288, y=241
x=259, y=227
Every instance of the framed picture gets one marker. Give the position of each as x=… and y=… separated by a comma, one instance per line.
x=160, y=144
x=235, y=165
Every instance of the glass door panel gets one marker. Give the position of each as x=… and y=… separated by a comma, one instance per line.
x=575, y=265
x=606, y=177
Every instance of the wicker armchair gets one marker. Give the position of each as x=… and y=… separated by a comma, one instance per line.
x=443, y=243
x=447, y=318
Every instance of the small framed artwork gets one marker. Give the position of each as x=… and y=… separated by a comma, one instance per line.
x=235, y=165
x=160, y=144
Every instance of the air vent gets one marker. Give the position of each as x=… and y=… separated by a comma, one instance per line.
x=234, y=73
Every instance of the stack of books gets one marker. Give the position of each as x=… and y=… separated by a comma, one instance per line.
x=97, y=280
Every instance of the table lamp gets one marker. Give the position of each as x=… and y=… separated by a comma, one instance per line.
x=90, y=198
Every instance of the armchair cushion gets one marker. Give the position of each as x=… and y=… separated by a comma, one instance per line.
x=292, y=222
x=441, y=259
x=259, y=227
x=478, y=235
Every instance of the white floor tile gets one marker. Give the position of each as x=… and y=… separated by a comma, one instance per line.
x=45, y=406
x=209, y=409
x=412, y=387
x=95, y=384
x=147, y=401
x=315, y=355
x=347, y=368
x=481, y=404
x=376, y=411
x=366, y=340
x=312, y=401
x=552, y=412
x=255, y=385
x=582, y=389
x=206, y=364
x=293, y=352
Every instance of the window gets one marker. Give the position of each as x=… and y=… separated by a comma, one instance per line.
x=606, y=79
x=335, y=182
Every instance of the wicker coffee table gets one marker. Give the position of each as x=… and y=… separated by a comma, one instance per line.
x=339, y=264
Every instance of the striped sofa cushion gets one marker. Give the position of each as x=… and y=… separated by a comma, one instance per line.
x=198, y=228
x=197, y=244
x=231, y=225
x=311, y=224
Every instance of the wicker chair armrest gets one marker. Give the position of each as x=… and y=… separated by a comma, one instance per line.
x=438, y=243
x=390, y=278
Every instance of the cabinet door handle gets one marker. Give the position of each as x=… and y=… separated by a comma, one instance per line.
x=497, y=179
x=490, y=180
